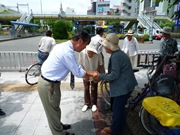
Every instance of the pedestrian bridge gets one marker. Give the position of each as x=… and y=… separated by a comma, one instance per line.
x=78, y=17
x=68, y=17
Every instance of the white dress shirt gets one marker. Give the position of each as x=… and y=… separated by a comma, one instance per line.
x=130, y=47
x=60, y=62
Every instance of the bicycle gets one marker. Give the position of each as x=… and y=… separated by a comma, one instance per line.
x=134, y=101
x=144, y=115
x=32, y=73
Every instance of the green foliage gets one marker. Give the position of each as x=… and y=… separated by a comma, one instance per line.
x=62, y=30
x=141, y=39
x=169, y=24
x=146, y=37
x=5, y=12
x=50, y=23
x=112, y=22
x=70, y=34
x=36, y=22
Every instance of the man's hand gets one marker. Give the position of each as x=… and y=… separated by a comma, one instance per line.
x=96, y=76
x=93, y=74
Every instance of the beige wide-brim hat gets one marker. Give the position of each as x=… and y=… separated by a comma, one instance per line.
x=111, y=42
x=130, y=33
x=166, y=30
x=93, y=46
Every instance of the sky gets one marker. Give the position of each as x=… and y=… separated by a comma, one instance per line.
x=51, y=6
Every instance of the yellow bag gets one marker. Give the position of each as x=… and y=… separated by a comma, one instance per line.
x=165, y=110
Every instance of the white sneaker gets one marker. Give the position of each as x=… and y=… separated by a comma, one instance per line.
x=85, y=107
x=94, y=108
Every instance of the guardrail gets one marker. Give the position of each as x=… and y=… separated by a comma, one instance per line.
x=21, y=60
x=145, y=58
x=16, y=61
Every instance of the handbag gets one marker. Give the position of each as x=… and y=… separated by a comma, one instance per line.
x=169, y=69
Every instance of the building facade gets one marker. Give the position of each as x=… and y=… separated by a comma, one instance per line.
x=129, y=7
x=99, y=7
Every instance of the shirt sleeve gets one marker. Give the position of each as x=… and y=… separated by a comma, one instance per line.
x=115, y=70
x=123, y=47
x=100, y=61
x=71, y=63
x=53, y=42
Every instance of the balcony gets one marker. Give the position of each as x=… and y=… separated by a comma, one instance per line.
x=127, y=2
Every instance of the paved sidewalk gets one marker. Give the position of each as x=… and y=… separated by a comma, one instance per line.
x=26, y=116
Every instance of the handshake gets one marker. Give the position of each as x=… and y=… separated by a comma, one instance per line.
x=93, y=74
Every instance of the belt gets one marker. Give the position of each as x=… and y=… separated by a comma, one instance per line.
x=49, y=80
x=45, y=53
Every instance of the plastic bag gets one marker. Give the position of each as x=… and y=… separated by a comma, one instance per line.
x=165, y=110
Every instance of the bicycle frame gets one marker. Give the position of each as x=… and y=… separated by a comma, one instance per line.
x=134, y=102
x=32, y=73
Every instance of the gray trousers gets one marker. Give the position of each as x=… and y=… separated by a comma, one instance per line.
x=50, y=96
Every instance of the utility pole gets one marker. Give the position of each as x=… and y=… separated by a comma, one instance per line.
x=41, y=5
x=23, y=5
x=152, y=21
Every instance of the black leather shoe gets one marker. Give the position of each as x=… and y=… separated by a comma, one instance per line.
x=67, y=133
x=66, y=126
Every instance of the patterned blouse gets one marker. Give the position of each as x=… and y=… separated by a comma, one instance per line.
x=168, y=46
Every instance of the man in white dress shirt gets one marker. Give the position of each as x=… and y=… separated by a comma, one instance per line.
x=59, y=63
x=99, y=38
x=130, y=46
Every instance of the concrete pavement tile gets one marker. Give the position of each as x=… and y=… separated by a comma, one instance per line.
x=19, y=112
x=36, y=107
x=8, y=127
x=82, y=123
x=28, y=117
x=27, y=127
x=42, y=128
x=33, y=114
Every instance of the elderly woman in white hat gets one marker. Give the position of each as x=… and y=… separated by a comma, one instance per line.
x=91, y=60
x=121, y=80
x=130, y=46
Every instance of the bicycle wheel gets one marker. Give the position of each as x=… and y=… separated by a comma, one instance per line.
x=105, y=92
x=145, y=121
x=32, y=74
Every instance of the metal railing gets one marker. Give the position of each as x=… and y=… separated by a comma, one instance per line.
x=20, y=60
x=17, y=61
x=146, y=58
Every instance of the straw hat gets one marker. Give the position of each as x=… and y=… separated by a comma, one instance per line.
x=93, y=46
x=166, y=30
x=130, y=32
x=111, y=42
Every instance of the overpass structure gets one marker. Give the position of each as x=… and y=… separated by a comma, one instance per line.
x=69, y=17
x=144, y=20
x=9, y=17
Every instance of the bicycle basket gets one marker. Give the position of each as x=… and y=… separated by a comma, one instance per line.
x=164, y=85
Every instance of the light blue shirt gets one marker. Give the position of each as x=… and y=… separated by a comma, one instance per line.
x=60, y=62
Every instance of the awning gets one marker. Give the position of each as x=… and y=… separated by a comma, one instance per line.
x=24, y=24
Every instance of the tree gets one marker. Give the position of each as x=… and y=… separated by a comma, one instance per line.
x=61, y=29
